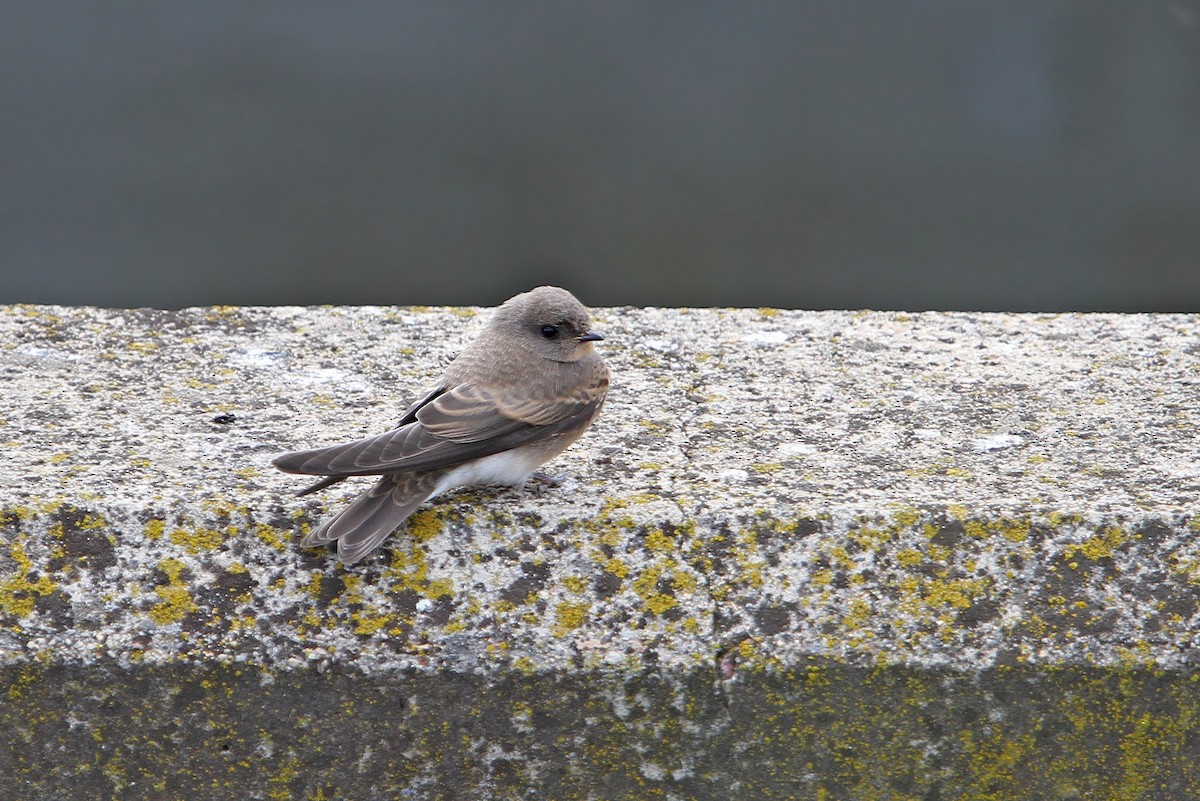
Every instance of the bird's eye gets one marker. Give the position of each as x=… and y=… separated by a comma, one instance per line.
x=549, y=331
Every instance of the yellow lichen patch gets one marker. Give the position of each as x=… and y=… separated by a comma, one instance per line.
x=17, y=592
x=746, y=554
x=204, y=386
x=197, y=540
x=616, y=567
x=368, y=623
x=939, y=468
x=439, y=588
x=766, y=468
x=222, y=313
x=410, y=570
x=1101, y=546
x=1011, y=530
x=957, y=511
x=658, y=540
x=608, y=528
x=957, y=593
x=857, y=616
x=175, y=599
x=92, y=521
x=905, y=518
x=312, y=588
x=1061, y=519
x=658, y=603
x=683, y=582
x=242, y=622
x=425, y=524
x=568, y=616
x=271, y=536
x=280, y=784
x=870, y=538
x=28, y=676
x=460, y=311
x=575, y=584
x=647, y=586
x=17, y=513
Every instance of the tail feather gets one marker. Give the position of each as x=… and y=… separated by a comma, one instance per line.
x=328, y=481
x=362, y=526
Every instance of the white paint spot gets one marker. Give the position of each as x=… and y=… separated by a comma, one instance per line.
x=661, y=345
x=996, y=442
x=327, y=376
x=259, y=358
x=767, y=337
x=789, y=449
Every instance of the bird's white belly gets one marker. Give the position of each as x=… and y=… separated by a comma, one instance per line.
x=506, y=468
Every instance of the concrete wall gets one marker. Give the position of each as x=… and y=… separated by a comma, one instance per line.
x=801, y=555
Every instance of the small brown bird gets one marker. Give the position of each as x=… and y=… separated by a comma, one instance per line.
x=519, y=395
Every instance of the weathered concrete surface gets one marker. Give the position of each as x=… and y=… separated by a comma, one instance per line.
x=801, y=555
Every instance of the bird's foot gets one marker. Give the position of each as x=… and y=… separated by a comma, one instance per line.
x=537, y=482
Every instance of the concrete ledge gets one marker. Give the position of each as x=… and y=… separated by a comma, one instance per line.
x=869, y=555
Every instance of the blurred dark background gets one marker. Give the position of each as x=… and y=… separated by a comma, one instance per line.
x=897, y=154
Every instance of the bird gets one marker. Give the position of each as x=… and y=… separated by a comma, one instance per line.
x=518, y=395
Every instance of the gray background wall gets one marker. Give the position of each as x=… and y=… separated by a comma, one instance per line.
x=883, y=153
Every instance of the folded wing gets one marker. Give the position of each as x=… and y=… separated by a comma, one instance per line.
x=451, y=427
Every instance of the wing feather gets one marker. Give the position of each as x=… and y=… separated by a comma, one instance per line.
x=448, y=428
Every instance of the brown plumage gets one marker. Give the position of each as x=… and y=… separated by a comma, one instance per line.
x=520, y=394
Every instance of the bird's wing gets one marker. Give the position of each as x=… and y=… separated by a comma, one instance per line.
x=463, y=423
x=409, y=416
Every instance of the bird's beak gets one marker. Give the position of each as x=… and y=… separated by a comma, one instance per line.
x=591, y=336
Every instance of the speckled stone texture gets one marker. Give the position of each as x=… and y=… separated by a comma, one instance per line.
x=800, y=555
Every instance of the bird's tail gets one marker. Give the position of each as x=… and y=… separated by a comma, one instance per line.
x=363, y=525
